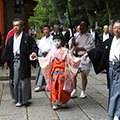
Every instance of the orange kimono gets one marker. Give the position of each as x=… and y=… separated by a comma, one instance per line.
x=59, y=68
x=57, y=82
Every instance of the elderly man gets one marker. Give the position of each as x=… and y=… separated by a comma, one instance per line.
x=105, y=35
x=80, y=44
x=16, y=55
x=107, y=56
x=56, y=30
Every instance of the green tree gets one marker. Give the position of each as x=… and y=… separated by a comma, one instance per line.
x=44, y=13
x=101, y=11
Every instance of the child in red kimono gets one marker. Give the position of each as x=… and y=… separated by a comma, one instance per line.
x=59, y=68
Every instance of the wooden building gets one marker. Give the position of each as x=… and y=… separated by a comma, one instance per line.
x=10, y=9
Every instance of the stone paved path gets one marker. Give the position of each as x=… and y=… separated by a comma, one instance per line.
x=94, y=107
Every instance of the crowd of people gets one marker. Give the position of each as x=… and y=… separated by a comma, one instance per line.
x=61, y=57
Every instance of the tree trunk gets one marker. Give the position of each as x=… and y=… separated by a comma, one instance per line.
x=109, y=10
x=91, y=18
x=89, y=6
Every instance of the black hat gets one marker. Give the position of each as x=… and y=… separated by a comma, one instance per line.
x=58, y=37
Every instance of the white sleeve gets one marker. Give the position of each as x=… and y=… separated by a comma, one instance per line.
x=69, y=43
x=39, y=52
x=90, y=43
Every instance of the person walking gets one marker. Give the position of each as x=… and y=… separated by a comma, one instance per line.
x=45, y=45
x=80, y=44
x=105, y=35
x=16, y=55
x=94, y=34
x=107, y=56
x=59, y=68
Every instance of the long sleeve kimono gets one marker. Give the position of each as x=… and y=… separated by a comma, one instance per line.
x=27, y=46
x=59, y=68
x=20, y=85
x=100, y=59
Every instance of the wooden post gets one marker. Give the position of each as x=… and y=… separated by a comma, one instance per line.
x=5, y=18
x=1, y=30
x=26, y=16
x=1, y=16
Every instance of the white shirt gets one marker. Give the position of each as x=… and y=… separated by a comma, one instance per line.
x=115, y=50
x=46, y=44
x=16, y=43
x=85, y=41
x=105, y=36
x=93, y=34
x=70, y=32
x=56, y=33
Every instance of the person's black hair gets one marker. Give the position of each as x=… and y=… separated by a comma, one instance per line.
x=86, y=23
x=20, y=20
x=46, y=26
x=51, y=25
x=58, y=37
x=93, y=26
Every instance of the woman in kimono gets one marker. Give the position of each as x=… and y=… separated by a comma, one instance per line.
x=107, y=56
x=59, y=68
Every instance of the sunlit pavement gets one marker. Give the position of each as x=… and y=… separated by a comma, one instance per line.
x=94, y=107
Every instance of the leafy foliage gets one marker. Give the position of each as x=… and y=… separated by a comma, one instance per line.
x=48, y=12
x=44, y=13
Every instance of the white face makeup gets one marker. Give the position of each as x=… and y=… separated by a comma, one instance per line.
x=57, y=43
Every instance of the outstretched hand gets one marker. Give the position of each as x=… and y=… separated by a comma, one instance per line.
x=84, y=56
x=33, y=55
x=48, y=88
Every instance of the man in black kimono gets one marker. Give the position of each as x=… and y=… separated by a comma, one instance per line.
x=105, y=35
x=18, y=50
x=107, y=56
x=94, y=34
